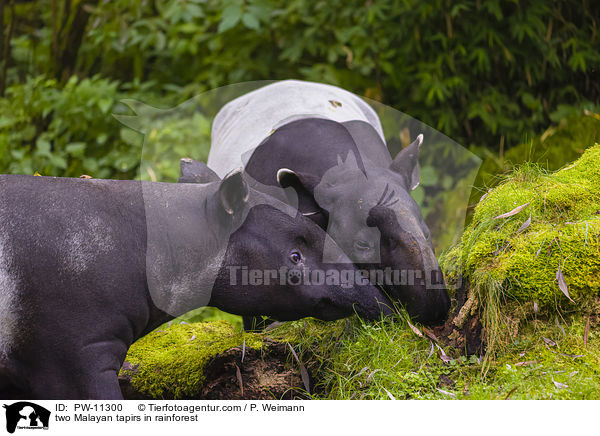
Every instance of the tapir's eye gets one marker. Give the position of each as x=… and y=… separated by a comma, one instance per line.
x=295, y=256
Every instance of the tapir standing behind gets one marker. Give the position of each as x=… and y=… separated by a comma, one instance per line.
x=329, y=145
x=89, y=266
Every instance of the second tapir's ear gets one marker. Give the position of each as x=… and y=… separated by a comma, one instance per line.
x=299, y=181
x=233, y=193
x=304, y=186
x=193, y=171
x=406, y=164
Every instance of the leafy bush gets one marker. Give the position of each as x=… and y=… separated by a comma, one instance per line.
x=488, y=74
x=64, y=130
x=481, y=72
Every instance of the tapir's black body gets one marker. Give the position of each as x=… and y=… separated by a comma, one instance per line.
x=74, y=269
x=75, y=328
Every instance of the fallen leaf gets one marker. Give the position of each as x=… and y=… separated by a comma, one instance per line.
x=238, y=375
x=293, y=352
x=549, y=342
x=443, y=355
x=559, y=385
x=305, y=378
x=484, y=195
x=431, y=349
x=303, y=371
x=525, y=224
x=526, y=363
x=430, y=334
x=515, y=211
x=538, y=252
x=414, y=329
x=574, y=356
x=562, y=284
x=371, y=374
x=389, y=394
x=273, y=325
x=450, y=394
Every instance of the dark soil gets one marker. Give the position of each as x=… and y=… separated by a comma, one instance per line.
x=468, y=339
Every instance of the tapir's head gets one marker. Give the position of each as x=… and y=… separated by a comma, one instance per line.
x=272, y=256
x=375, y=221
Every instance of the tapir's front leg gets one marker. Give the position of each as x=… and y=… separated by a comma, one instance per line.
x=88, y=373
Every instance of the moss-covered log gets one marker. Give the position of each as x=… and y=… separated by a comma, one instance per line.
x=209, y=360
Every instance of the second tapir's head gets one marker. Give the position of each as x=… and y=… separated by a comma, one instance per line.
x=370, y=214
x=270, y=254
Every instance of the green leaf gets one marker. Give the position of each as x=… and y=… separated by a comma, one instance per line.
x=42, y=147
x=58, y=161
x=428, y=176
x=75, y=148
x=230, y=17
x=105, y=105
x=250, y=21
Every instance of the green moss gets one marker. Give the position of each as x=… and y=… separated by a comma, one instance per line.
x=173, y=360
x=503, y=259
x=531, y=368
x=564, y=231
x=352, y=359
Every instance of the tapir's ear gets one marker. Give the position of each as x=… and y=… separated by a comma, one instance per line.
x=304, y=185
x=299, y=181
x=405, y=163
x=233, y=193
x=193, y=171
x=350, y=162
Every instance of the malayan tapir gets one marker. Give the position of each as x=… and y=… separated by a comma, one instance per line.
x=329, y=145
x=89, y=266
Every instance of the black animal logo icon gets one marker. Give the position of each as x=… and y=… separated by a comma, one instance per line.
x=27, y=415
x=294, y=277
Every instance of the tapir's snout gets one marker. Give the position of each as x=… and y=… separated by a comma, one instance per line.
x=416, y=280
x=353, y=294
x=421, y=287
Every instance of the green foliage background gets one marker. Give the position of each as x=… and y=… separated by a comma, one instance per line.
x=489, y=74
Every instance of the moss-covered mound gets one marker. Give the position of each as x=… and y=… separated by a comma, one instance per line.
x=171, y=363
x=529, y=234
